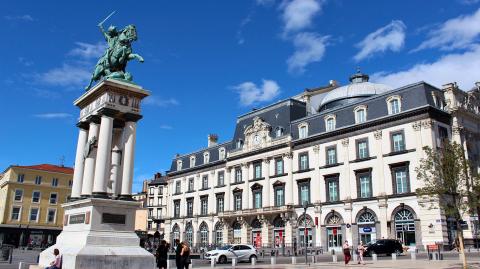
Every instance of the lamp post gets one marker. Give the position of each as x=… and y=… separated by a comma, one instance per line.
x=305, y=233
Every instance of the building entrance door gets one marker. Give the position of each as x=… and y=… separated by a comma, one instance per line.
x=334, y=237
x=301, y=236
x=257, y=238
x=279, y=237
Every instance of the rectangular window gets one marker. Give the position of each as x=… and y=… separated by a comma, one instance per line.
x=279, y=196
x=20, y=178
x=33, y=214
x=331, y=155
x=190, y=207
x=176, y=209
x=38, y=180
x=54, y=182
x=395, y=106
x=35, y=197
x=302, y=133
x=70, y=183
x=53, y=198
x=205, y=182
x=178, y=187
x=333, y=191
x=51, y=215
x=238, y=201
x=221, y=178
x=238, y=174
x=18, y=195
x=257, y=199
x=362, y=149
x=401, y=179
x=364, y=184
x=279, y=166
x=330, y=124
x=304, y=193
x=361, y=117
x=159, y=213
x=150, y=201
x=303, y=161
x=204, y=206
x=220, y=204
x=150, y=212
x=151, y=190
x=160, y=190
x=257, y=170
x=16, y=213
x=190, y=184
x=398, y=141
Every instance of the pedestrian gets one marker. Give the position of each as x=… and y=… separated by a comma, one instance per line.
x=57, y=262
x=185, y=254
x=162, y=255
x=178, y=257
x=360, y=249
x=346, y=252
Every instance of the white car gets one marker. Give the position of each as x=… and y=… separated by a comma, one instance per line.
x=226, y=253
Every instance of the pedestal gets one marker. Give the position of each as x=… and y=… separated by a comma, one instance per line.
x=99, y=233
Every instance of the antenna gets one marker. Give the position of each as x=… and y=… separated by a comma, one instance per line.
x=62, y=160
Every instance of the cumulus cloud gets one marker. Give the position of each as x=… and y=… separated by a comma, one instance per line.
x=53, y=115
x=250, y=93
x=309, y=48
x=456, y=33
x=25, y=18
x=390, y=37
x=88, y=51
x=298, y=14
x=460, y=67
x=160, y=102
x=66, y=75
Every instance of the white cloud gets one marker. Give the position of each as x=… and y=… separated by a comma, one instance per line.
x=25, y=18
x=298, y=14
x=53, y=116
x=66, y=75
x=460, y=67
x=250, y=93
x=389, y=37
x=25, y=61
x=166, y=127
x=456, y=33
x=309, y=48
x=265, y=2
x=156, y=101
x=88, y=51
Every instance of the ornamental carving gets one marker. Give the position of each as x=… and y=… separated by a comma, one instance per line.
x=377, y=134
x=417, y=125
x=457, y=129
x=427, y=124
x=316, y=148
x=257, y=135
x=345, y=142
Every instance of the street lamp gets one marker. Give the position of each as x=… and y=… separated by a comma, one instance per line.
x=305, y=233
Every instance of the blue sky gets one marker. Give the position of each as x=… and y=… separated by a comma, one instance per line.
x=206, y=62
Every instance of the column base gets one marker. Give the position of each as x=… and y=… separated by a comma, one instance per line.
x=125, y=197
x=103, y=195
x=85, y=196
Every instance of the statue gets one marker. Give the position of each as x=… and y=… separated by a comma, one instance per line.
x=114, y=61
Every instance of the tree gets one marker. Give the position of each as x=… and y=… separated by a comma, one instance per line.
x=450, y=181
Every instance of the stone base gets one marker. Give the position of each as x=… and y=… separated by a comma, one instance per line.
x=99, y=233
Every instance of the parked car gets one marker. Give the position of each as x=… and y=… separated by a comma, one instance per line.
x=226, y=253
x=384, y=246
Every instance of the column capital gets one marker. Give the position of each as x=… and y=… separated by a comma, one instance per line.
x=266, y=160
x=107, y=112
x=93, y=119
x=132, y=117
x=83, y=125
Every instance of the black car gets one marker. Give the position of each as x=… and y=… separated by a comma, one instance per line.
x=384, y=246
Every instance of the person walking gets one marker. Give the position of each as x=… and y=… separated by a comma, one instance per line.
x=361, y=249
x=185, y=254
x=162, y=255
x=178, y=257
x=346, y=252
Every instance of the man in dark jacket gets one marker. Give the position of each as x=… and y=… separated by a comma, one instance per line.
x=178, y=257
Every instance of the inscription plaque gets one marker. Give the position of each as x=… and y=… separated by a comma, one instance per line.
x=113, y=218
x=77, y=219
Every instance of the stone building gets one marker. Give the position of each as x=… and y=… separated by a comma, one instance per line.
x=156, y=205
x=327, y=165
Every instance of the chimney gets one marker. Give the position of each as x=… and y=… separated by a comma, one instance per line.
x=157, y=175
x=212, y=140
x=450, y=86
x=333, y=83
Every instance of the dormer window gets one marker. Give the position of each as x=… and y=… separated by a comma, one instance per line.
x=279, y=131
x=192, y=161
x=239, y=144
x=360, y=114
x=394, y=104
x=206, y=157
x=302, y=130
x=179, y=165
x=221, y=153
x=330, y=123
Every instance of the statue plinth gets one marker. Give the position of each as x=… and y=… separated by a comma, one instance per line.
x=99, y=220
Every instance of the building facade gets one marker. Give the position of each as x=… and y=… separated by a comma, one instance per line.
x=328, y=165
x=30, y=203
x=156, y=202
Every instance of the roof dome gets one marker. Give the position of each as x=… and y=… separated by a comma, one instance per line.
x=359, y=88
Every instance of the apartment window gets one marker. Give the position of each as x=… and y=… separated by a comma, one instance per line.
x=331, y=155
x=237, y=198
x=38, y=180
x=53, y=198
x=239, y=144
x=150, y=212
x=206, y=157
x=18, y=195
x=20, y=178
x=360, y=114
x=205, y=182
x=35, y=197
x=51, y=215
x=54, y=182
x=398, y=141
x=238, y=174
x=279, y=196
x=221, y=178
x=302, y=130
x=151, y=190
x=149, y=225
x=279, y=166
x=190, y=207
x=33, y=214
x=330, y=123
x=204, y=205
x=303, y=161
x=364, y=184
x=150, y=201
x=70, y=183
x=192, y=161
x=178, y=187
x=176, y=208
x=332, y=188
x=160, y=190
x=159, y=213
x=220, y=203
x=221, y=153
x=179, y=165
x=362, y=149
x=257, y=170
x=401, y=179
x=394, y=104
x=16, y=213
x=278, y=132
x=304, y=192
x=257, y=198
x=159, y=200
x=190, y=184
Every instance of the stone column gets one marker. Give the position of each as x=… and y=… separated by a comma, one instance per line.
x=245, y=176
x=228, y=192
x=267, y=187
x=89, y=165
x=116, y=164
x=314, y=188
x=102, y=165
x=79, y=161
x=289, y=183
x=128, y=156
x=347, y=195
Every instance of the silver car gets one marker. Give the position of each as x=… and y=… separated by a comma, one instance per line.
x=226, y=253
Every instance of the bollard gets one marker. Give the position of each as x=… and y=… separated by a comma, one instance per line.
x=413, y=256
x=234, y=262
x=334, y=258
x=212, y=262
x=273, y=260
x=394, y=257
x=294, y=260
x=254, y=261
x=374, y=257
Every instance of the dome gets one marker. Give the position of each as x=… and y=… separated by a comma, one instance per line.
x=358, y=89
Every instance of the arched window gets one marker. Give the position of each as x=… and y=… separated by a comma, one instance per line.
x=405, y=226
x=237, y=232
x=219, y=233
x=360, y=114
x=330, y=123
x=256, y=224
x=189, y=234
x=334, y=220
x=366, y=218
x=175, y=232
x=278, y=223
x=302, y=130
x=192, y=161
x=394, y=104
x=206, y=157
x=203, y=234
